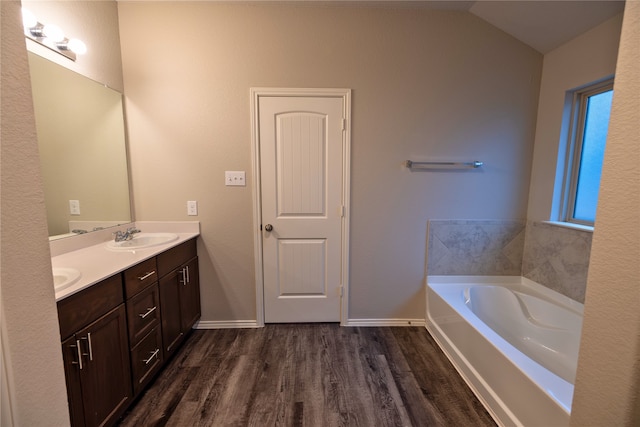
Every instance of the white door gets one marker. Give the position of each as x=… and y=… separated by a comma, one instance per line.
x=301, y=175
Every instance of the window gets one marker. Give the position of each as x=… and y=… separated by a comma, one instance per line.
x=589, y=125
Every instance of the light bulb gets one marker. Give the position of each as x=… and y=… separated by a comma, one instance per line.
x=28, y=18
x=53, y=32
x=77, y=46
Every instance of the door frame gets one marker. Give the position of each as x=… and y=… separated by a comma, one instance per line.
x=345, y=95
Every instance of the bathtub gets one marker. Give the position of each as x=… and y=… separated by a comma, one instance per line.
x=514, y=342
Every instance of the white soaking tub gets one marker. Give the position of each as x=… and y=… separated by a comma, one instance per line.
x=514, y=342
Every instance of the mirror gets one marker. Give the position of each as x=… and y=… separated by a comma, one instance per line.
x=81, y=138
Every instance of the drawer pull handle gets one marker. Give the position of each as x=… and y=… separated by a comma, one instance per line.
x=149, y=311
x=147, y=275
x=77, y=346
x=154, y=354
x=88, y=339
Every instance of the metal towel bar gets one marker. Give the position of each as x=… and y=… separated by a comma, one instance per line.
x=443, y=165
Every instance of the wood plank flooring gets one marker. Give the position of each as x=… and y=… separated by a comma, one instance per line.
x=309, y=375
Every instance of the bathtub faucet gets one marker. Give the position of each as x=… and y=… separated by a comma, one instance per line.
x=127, y=235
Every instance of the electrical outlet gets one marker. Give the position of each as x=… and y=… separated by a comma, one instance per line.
x=192, y=208
x=74, y=207
x=235, y=178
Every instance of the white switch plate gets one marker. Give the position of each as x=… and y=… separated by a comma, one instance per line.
x=192, y=208
x=74, y=207
x=234, y=178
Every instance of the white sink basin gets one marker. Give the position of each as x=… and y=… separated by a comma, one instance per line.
x=64, y=277
x=142, y=241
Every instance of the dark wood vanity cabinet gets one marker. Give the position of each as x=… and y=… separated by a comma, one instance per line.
x=118, y=333
x=95, y=351
x=179, y=294
x=190, y=296
x=143, y=315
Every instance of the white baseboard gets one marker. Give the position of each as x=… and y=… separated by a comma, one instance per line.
x=385, y=322
x=226, y=324
x=237, y=324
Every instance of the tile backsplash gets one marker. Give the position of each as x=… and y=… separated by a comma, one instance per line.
x=553, y=256
x=469, y=247
x=558, y=258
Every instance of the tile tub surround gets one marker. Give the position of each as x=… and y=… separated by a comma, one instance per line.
x=558, y=258
x=554, y=256
x=475, y=247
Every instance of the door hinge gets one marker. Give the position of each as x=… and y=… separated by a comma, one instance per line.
x=340, y=290
x=344, y=124
x=341, y=211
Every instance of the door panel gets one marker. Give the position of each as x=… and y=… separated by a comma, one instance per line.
x=301, y=162
x=301, y=267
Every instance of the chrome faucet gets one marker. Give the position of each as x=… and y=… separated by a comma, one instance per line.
x=121, y=236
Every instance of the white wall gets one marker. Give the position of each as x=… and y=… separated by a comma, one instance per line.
x=30, y=336
x=583, y=60
x=426, y=84
x=607, y=389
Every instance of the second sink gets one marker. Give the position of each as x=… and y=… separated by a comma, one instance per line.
x=64, y=277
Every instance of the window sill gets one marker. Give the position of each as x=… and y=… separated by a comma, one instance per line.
x=570, y=225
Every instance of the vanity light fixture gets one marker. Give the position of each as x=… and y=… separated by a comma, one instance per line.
x=51, y=36
x=76, y=46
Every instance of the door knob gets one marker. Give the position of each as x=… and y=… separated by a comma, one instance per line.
x=268, y=227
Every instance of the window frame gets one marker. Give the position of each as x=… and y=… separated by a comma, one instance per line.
x=579, y=100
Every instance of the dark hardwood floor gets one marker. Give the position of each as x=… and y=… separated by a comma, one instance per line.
x=309, y=375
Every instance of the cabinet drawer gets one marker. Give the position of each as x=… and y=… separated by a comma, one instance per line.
x=140, y=276
x=143, y=313
x=174, y=257
x=146, y=359
x=77, y=311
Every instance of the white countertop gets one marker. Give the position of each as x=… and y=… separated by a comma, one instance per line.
x=96, y=263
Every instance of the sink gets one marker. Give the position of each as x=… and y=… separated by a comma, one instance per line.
x=64, y=277
x=142, y=241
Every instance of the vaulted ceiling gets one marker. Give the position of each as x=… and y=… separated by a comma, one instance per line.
x=542, y=24
x=545, y=25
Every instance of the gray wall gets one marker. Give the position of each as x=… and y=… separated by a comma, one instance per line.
x=426, y=85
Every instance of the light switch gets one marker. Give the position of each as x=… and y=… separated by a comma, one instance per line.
x=192, y=208
x=236, y=178
x=74, y=207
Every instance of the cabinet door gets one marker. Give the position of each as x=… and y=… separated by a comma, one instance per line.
x=190, y=295
x=170, y=310
x=106, y=373
x=72, y=358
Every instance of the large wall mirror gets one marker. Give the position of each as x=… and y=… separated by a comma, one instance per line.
x=81, y=138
